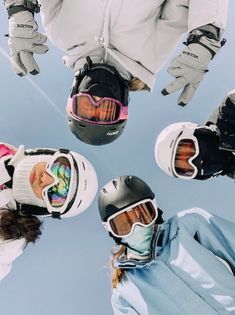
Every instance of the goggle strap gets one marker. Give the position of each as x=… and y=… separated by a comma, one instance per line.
x=56, y=215
x=26, y=209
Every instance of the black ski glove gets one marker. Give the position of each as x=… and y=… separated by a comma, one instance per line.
x=226, y=124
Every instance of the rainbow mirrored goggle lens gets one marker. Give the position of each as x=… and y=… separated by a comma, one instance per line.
x=103, y=111
x=183, y=162
x=58, y=192
x=122, y=224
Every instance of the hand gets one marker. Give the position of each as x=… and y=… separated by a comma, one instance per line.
x=24, y=41
x=190, y=66
x=226, y=123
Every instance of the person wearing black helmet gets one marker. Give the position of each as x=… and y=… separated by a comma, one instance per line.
x=97, y=107
x=185, y=265
x=127, y=44
x=188, y=150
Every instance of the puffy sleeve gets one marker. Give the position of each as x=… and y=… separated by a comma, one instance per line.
x=202, y=12
x=212, y=232
x=121, y=306
x=228, y=101
x=49, y=11
x=9, y=251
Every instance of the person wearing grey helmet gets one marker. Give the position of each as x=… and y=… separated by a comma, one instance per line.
x=114, y=47
x=185, y=265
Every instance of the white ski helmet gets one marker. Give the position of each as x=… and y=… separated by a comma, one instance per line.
x=82, y=184
x=167, y=143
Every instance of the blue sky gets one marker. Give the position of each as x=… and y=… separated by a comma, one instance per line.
x=67, y=271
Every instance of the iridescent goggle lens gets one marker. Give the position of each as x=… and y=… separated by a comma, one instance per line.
x=103, y=111
x=185, y=153
x=57, y=194
x=122, y=224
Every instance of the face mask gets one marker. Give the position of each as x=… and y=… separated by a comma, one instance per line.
x=140, y=240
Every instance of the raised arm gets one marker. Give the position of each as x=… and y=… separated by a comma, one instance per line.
x=24, y=38
x=206, y=23
x=213, y=232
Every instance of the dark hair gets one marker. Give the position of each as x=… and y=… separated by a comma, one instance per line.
x=14, y=226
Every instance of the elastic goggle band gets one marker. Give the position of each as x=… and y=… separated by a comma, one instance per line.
x=121, y=224
x=104, y=111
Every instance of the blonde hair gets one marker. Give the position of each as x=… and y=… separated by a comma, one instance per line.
x=117, y=273
x=137, y=85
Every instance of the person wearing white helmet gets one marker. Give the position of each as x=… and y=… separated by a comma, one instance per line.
x=34, y=184
x=187, y=150
x=47, y=182
x=114, y=47
x=185, y=265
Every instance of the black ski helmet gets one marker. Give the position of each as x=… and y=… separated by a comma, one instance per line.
x=104, y=81
x=120, y=193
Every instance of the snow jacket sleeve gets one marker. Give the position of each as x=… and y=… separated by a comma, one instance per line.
x=203, y=12
x=228, y=100
x=9, y=251
x=223, y=117
x=121, y=306
x=51, y=8
x=212, y=232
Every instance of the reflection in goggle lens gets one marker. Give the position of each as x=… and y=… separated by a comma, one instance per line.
x=58, y=193
x=122, y=223
x=104, y=110
x=186, y=150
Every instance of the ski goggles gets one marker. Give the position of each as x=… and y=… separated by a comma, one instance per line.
x=143, y=213
x=58, y=194
x=104, y=111
x=186, y=149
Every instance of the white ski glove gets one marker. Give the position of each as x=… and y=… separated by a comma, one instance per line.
x=191, y=65
x=24, y=41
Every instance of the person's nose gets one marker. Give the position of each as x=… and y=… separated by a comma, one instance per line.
x=46, y=179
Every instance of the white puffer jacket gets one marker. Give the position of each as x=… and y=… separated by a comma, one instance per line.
x=10, y=249
x=135, y=35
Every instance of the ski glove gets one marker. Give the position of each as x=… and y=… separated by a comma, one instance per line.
x=24, y=41
x=226, y=123
x=191, y=65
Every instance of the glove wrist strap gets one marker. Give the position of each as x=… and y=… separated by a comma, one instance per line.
x=31, y=6
x=196, y=39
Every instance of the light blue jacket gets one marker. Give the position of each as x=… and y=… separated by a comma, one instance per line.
x=184, y=277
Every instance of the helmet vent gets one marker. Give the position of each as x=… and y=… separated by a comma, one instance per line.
x=81, y=125
x=79, y=203
x=105, y=191
x=83, y=166
x=115, y=184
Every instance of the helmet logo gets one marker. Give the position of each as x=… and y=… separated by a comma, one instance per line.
x=111, y=133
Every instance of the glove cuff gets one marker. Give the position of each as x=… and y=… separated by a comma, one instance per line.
x=26, y=5
x=200, y=37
